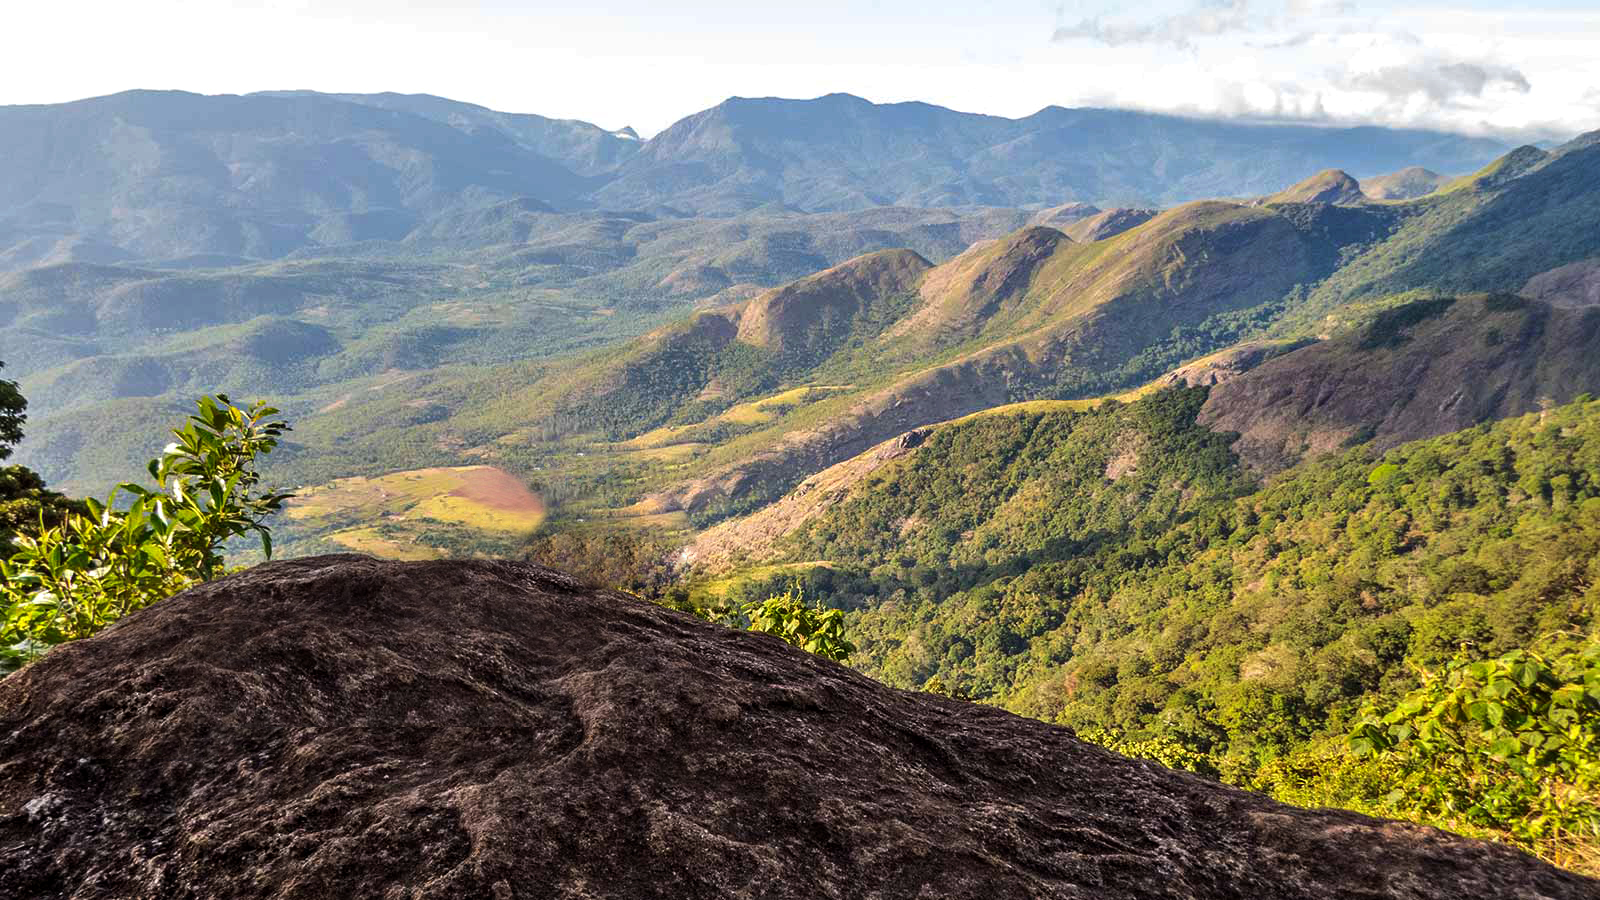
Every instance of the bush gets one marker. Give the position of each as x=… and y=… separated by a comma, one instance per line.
x=1162, y=749
x=1510, y=744
x=142, y=544
x=786, y=615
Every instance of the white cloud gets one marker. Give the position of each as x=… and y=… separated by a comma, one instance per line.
x=1441, y=82
x=1522, y=73
x=1209, y=19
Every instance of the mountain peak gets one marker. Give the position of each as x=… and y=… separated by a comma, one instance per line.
x=1109, y=224
x=786, y=317
x=1333, y=186
x=1587, y=139
x=1407, y=184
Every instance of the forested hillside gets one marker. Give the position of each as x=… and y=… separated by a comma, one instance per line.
x=1118, y=569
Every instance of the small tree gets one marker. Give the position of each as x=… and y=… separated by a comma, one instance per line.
x=24, y=499
x=142, y=544
x=12, y=414
x=815, y=630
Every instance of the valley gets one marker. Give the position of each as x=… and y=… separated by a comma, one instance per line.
x=1203, y=438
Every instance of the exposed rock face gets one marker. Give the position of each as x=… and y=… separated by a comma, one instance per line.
x=1421, y=371
x=343, y=727
x=1575, y=284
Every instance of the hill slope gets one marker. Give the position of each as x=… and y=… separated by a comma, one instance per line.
x=1407, y=184
x=179, y=177
x=1118, y=568
x=166, y=175
x=584, y=148
x=1428, y=368
x=488, y=729
x=1528, y=212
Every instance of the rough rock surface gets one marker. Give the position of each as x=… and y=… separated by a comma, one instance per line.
x=344, y=727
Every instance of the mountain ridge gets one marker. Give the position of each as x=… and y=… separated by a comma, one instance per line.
x=308, y=170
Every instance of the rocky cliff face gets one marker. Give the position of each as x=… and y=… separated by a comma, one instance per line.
x=343, y=727
x=1573, y=285
x=1421, y=370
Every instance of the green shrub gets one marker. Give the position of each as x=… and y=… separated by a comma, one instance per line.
x=1161, y=749
x=814, y=630
x=1510, y=744
x=142, y=544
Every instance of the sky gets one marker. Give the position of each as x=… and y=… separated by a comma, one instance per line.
x=1516, y=70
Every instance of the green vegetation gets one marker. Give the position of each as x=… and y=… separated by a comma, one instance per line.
x=418, y=513
x=1510, y=744
x=12, y=414
x=70, y=580
x=1115, y=570
x=814, y=630
x=634, y=560
x=25, y=502
x=1527, y=213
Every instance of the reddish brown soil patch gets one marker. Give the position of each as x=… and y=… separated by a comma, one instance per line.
x=498, y=489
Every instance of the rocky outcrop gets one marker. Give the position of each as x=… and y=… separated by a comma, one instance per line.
x=1418, y=371
x=1576, y=284
x=343, y=727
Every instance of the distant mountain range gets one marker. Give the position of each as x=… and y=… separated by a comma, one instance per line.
x=842, y=152
x=405, y=260
x=174, y=178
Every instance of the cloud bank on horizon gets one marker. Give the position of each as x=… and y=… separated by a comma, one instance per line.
x=1474, y=67
x=1480, y=66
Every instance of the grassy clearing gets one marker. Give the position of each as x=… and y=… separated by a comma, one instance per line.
x=480, y=497
x=669, y=453
x=1044, y=406
x=760, y=412
x=369, y=541
x=719, y=588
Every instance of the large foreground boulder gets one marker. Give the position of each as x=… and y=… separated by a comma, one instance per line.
x=342, y=727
